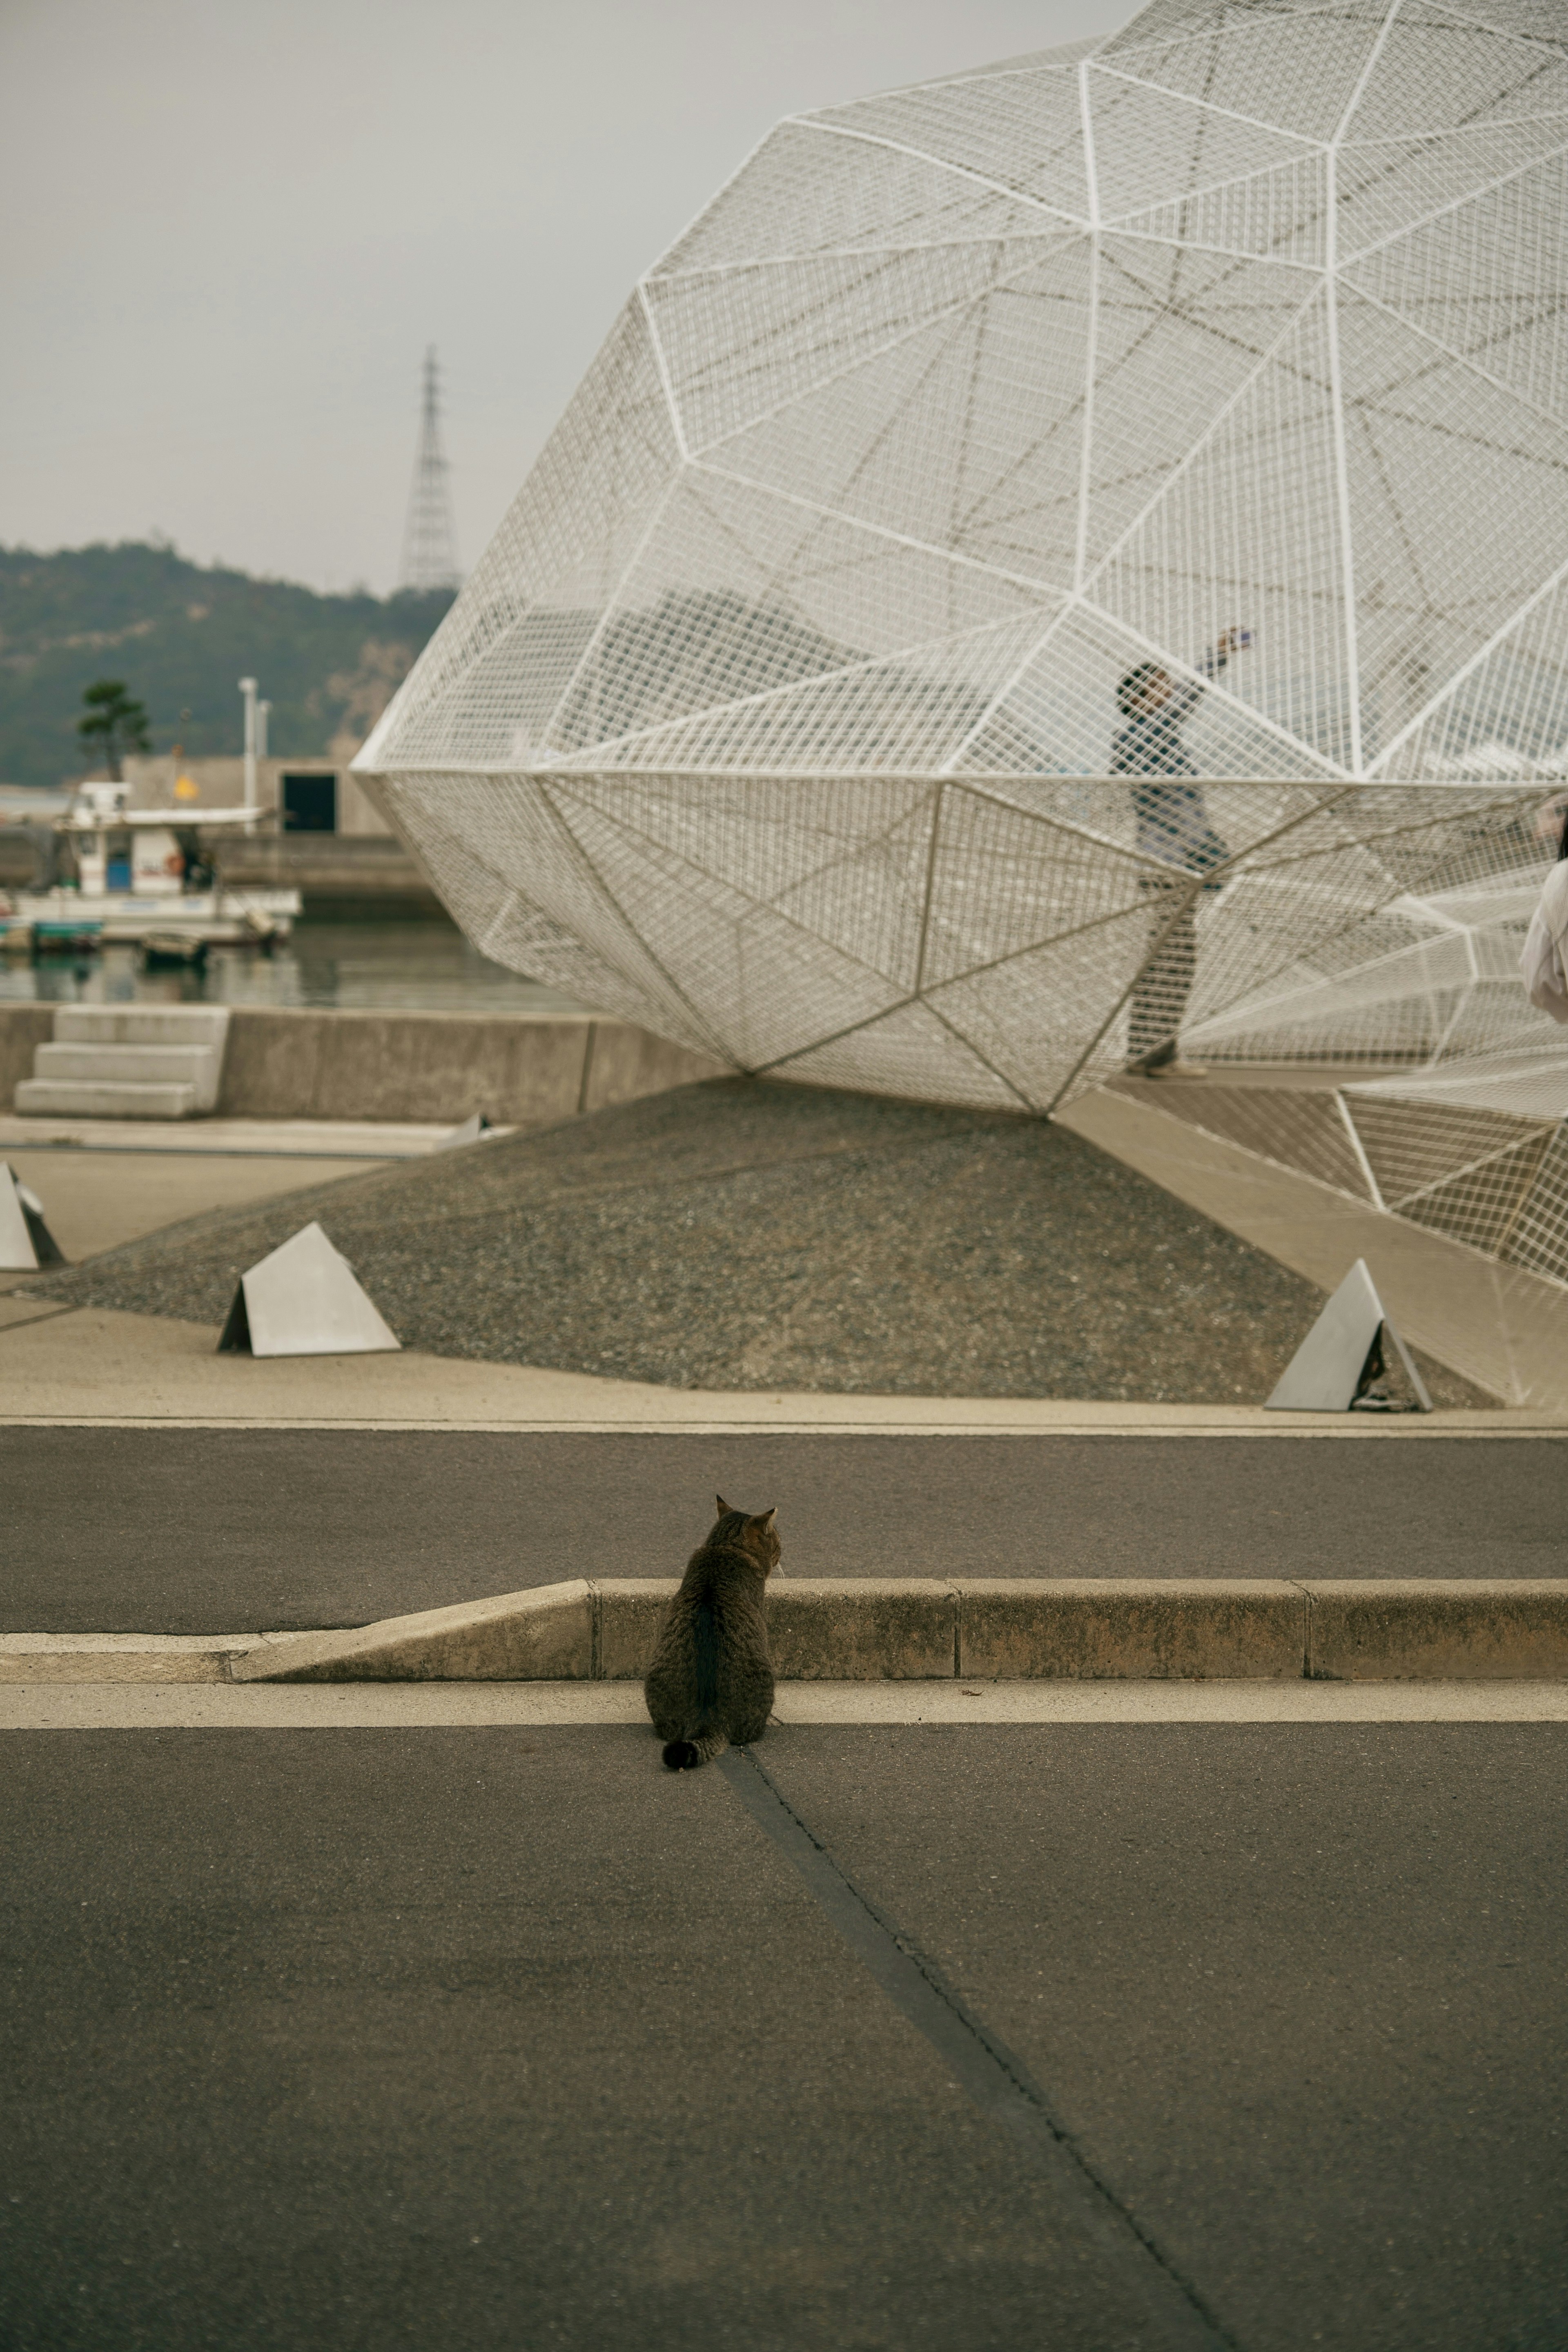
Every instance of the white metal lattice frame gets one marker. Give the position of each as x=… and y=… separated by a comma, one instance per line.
x=780, y=713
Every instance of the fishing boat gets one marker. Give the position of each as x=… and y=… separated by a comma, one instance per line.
x=146, y=872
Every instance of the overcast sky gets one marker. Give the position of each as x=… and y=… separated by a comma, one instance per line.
x=232, y=227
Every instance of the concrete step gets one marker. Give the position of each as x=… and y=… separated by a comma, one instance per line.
x=178, y=1046
x=981, y=1629
x=142, y=1025
x=104, y=1099
x=156, y=1066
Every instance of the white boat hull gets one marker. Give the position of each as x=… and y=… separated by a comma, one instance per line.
x=121, y=918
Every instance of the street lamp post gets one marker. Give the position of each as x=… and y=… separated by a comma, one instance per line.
x=248, y=687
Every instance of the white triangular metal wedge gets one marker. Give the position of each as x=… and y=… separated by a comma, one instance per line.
x=16, y=1251
x=471, y=1131
x=1326, y=1373
x=303, y=1300
x=25, y=1240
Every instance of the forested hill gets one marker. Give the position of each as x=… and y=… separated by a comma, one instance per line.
x=182, y=637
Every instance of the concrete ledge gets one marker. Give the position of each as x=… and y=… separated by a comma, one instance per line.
x=123, y=1657
x=866, y=1629
x=1139, y=1630
x=887, y=1629
x=629, y=1612
x=1420, y=1629
x=23, y=1029
x=289, y=1062
x=544, y=1635
x=896, y=1629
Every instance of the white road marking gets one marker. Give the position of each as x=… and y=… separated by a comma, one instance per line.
x=1183, y=1702
x=413, y=1706
x=1417, y=1429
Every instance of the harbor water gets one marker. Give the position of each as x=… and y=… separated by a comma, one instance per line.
x=371, y=966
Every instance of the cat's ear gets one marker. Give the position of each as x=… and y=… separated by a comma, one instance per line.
x=723, y=1506
x=766, y=1519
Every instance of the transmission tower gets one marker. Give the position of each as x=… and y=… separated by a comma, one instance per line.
x=429, y=542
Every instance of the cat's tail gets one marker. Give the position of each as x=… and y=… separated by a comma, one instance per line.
x=702, y=1745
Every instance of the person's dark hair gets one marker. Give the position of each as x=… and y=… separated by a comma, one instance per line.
x=1563, y=845
x=1130, y=693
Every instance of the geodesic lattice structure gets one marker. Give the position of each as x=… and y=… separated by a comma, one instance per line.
x=1431, y=980
x=1463, y=1128
x=780, y=714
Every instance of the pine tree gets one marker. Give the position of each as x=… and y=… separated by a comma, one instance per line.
x=116, y=720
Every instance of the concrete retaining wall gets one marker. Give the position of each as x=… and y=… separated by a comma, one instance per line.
x=23, y=1028
x=354, y=875
x=881, y=1628
x=416, y=1066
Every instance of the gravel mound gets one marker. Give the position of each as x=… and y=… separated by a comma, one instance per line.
x=745, y=1236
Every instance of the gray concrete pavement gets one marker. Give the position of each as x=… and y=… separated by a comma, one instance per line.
x=196, y=1531
x=504, y=2037
x=465, y=2042
x=1296, y=1995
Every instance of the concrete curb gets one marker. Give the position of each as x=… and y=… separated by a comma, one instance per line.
x=35, y=1658
x=1418, y=1630
x=890, y=1628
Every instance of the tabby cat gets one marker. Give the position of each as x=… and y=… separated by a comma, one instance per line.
x=711, y=1680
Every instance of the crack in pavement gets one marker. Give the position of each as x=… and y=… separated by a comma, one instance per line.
x=997, y=2083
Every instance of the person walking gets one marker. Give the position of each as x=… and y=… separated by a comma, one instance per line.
x=1544, y=961
x=1172, y=826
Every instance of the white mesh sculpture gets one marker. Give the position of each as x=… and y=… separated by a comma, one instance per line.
x=811, y=704
x=1432, y=980
x=1462, y=1127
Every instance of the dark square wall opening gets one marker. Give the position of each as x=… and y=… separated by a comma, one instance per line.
x=310, y=803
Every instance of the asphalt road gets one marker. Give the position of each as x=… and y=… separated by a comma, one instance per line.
x=469, y=2039
x=199, y=1531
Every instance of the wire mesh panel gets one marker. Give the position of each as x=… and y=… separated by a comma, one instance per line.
x=1054, y=560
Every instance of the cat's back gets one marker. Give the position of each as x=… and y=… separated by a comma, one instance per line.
x=711, y=1600
x=724, y=1577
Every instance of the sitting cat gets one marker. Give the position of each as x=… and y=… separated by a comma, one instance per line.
x=711, y=1680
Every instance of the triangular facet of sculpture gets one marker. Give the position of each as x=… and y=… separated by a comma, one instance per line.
x=1342, y=1353
x=25, y=1240
x=303, y=1300
x=471, y=1131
